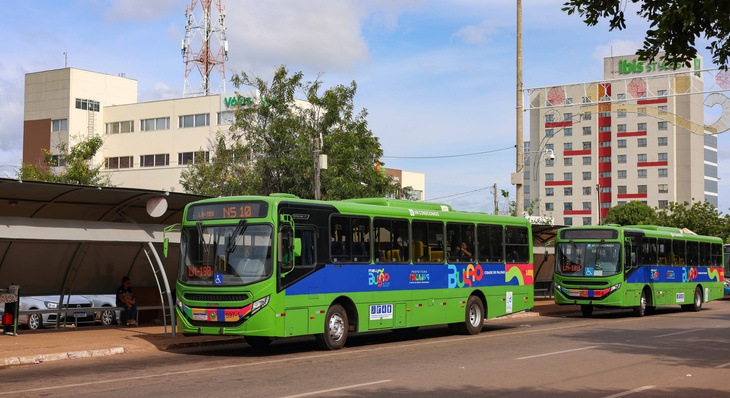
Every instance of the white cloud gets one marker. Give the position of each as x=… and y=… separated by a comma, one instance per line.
x=477, y=34
x=136, y=10
x=615, y=47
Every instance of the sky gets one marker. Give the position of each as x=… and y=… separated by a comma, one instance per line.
x=436, y=78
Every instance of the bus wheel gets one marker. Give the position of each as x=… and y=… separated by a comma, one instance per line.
x=696, y=303
x=335, y=329
x=586, y=310
x=258, y=341
x=474, y=316
x=640, y=310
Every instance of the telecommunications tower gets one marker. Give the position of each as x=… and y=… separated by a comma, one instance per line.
x=199, y=49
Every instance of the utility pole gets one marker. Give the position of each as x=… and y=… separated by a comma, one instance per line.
x=496, y=200
x=519, y=188
x=317, y=186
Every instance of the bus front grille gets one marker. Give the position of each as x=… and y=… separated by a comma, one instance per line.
x=203, y=324
x=585, y=283
x=215, y=297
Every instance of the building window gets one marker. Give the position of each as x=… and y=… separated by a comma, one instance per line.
x=586, y=160
x=567, y=176
x=160, y=123
x=641, y=111
x=604, y=129
x=621, y=143
x=527, y=176
x=661, y=93
x=621, y=174
x=126, y=126
x=568, y=101
x=662, y=109
x=201, y=157
x=119, y=162
x=58, y=161
x=568, y=221
x=586, y=116
x=227, y=117
x=641, y=142
x=641, y=126
x=568, y=131
x=549, y=206
x=662, y=141
x=549, y=118
x=642, y=173
x=586, y=145
x=621, y=128
x=161, y=159
x=621, y=159
x=586, y=205
x=604, y=159
x=568, y=206
x=587, y=130
x=567, y=161
x=567, y=116
x=621, y=96
x=568, y=191
x=641, y=157
x=621, y=113
x=662, y=125
x=549, y=191
x=586, y=100
x=663, y=203
x=605, y=144
x=663, y=173
x=641, y=189
x=87, y=104
x=587, y=221
x=663, y=188
x=586, y=190
x=549, y=177
x=586, y=176
x=621, y=189
x=199, y=120
x=59, y=125
x=619, y=203
x=604, y=114
x=549, y=132
x=604, y=174
x=662, y=156
x=567, y=146
x=549, y=162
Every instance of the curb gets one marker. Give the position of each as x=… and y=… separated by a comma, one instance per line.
x=38, y=359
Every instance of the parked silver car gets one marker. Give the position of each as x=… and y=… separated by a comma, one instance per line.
x=107, y=317
x=36, y=321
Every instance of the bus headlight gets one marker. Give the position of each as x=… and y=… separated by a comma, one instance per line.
x=259, y=304
x=615, y=287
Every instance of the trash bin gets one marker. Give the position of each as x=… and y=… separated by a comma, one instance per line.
x=10, y=297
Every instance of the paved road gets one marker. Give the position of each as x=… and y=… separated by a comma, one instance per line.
x=613, y=354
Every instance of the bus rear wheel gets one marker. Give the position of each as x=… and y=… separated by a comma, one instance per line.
x=640, y=310
x=586, y=310
x=335, y=329
x=473, y=317
x=696, y=302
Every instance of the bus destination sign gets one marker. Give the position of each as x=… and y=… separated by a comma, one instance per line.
x=227, y=210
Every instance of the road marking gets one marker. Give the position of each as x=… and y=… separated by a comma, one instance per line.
x=559, y=352
x=673, y=334
x=306, y=394
x=723, y=365
x=621, y=394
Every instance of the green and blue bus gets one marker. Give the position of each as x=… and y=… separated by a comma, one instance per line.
x=639, y=267
x=277, y=266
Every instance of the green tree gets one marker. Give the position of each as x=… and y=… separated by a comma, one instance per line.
x=675, y=24
x=78, y=168
x=699, y=217
x=271, y=146
x=632, y=213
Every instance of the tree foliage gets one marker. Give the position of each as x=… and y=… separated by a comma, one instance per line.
x=271, y=146
x=78, y=168
x=699, y=217
x=674, y=25
x=632, y=213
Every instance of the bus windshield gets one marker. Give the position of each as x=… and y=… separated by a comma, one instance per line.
x=226, y=255
x=589, y=259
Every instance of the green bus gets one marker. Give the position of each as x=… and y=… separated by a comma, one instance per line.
x=277, y=266
x=639, y=267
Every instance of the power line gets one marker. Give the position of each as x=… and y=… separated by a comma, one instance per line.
x=458, y=194
x=449, y=156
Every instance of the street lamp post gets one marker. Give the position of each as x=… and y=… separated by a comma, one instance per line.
x=517, y=176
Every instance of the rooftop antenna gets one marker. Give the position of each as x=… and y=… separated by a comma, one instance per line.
x=65, y=59
x=199, y=50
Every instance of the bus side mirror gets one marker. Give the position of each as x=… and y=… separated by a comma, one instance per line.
x=165, y=246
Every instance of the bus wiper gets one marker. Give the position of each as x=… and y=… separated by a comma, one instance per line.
x=239, y=230
x=201, y=241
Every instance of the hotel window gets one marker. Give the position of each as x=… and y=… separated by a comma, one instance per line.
x=549, y=162
x=621, y=159
x=621, y=174
x=586, y=160
x=160, y=159
x=567, y=116
x=619, y=203
x=126, y=126
x=568, y=191
x=662, y=125
x=549, y=177
x=159, y=123
x=641, y=157
x=567, y=161
x=586, y=116
x=604, y=129
x=641, y=142
x=199, y=120
x=586, y=100
x=568, y=131
x=641, y=126
x=663, y=203
x=549, y=118
x=605, y=144
x=586, y=145
x=662, y=141
x=567, y=176
x=567, y=146
x=604, y=114
x=604, y=174
x=59, y=125
x=662, y=109
x=200, y=157
x=587, y=221
x=568, y=101
x=549, y=206
x=587, y=130
x=549, y=132
x=641, y=173
x=119, y=162
x=621, y=128
x=526, y=188
x=621, y=189
x=641, y=111
x=663, y=173
x=527, y=176
x=621, y=143
x=87, y=104
x=662, y=156
x=568, y=221
x=604, y=159
x=587, y=205
x=641, y=188
x=586, y=190
x=663, y=188
x=621, y=113
x=567, y=206
x=549, y=191
x=661, y=93
x=586, y=175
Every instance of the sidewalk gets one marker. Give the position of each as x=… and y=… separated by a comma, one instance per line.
x=37, y=346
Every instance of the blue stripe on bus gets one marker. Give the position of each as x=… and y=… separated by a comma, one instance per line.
x=674, y=274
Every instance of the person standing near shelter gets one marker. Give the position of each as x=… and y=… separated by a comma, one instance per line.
x=126, y=299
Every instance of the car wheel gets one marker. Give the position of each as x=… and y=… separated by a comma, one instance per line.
x=108, y=317
x=35, y=321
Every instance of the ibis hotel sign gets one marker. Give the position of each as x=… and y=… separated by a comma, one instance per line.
x=626, y=67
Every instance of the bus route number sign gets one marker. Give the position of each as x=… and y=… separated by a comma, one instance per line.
x=227, y=210
x=570, y=267
x=200, y=271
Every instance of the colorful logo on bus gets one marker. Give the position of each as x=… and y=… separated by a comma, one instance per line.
x=464, y=275
x=523, y=273
x=689, y=274
x=378, y=277
x=419, y=277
